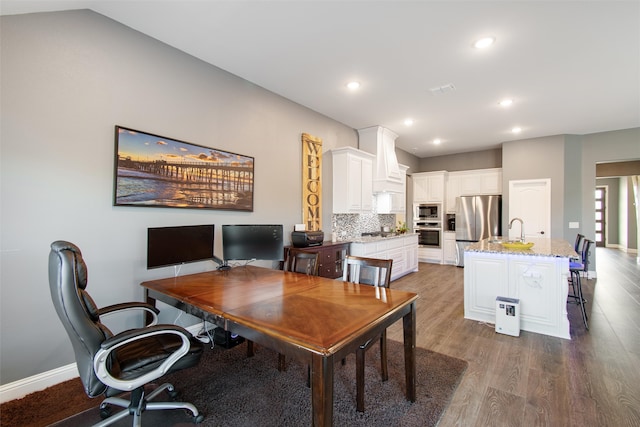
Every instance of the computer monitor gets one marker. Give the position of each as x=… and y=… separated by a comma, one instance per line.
x=168, y=246
x=249, y=241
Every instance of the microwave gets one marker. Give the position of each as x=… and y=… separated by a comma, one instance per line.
x=424, y=211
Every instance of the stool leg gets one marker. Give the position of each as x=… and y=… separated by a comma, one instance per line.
x=581, y=301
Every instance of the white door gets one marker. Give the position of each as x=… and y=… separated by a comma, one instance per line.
x=530, y=200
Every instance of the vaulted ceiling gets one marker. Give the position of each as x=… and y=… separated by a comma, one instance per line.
x=569, y=67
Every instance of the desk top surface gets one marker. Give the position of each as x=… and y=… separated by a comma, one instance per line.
x=316, y=312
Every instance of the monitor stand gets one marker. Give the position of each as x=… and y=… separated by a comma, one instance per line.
x=222, y=264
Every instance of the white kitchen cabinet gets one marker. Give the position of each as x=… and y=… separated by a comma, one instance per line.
x=449, y=247
x=431, y=255
x=428, y=187
x=453, y=191
x=403, y=250
x=471, y=183
x=352, y=181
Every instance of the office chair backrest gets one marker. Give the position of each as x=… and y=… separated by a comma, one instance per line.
x=302, y=262
x=77, y=310
x=368, y=271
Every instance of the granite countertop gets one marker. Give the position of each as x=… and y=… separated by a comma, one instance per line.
x=369, y=239
x=541, y=247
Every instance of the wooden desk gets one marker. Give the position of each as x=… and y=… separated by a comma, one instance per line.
x=313, y=319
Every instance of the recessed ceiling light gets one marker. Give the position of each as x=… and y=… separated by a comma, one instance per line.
x=484, y=42
x=408, y=122
x=516, y=129
x=437, y=141
x=506, y=102
x=353, y=85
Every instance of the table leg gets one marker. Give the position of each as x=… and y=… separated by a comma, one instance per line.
x=322, y=390
x=409, y=328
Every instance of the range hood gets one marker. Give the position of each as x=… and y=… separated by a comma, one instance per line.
x=381, y=142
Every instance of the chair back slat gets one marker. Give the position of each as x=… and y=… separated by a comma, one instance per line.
x=302, y=262
x=368, y=271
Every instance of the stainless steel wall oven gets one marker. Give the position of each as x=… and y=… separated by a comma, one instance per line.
x=429, y=234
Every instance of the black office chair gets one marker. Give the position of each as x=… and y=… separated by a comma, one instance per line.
x=112, y=364
x=374, y=272
x=577, y=269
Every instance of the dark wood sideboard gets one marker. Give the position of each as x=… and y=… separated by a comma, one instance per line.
x=331, y=259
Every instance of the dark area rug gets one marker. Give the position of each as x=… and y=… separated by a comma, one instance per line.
x=233, y=390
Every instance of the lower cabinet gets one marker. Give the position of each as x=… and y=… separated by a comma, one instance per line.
x=449, y=247
x=331, y=259
x=539, y=282
x=403, y=250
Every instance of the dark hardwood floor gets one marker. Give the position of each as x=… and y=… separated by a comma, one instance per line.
x=534, y=380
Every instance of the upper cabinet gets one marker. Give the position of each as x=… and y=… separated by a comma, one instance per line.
x=352, y=180
x=472, y=183
x=429, y=187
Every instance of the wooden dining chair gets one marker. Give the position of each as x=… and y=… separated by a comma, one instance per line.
x=374, y=272
x=299, y=261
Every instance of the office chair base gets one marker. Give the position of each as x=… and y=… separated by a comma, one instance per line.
x=140, y=403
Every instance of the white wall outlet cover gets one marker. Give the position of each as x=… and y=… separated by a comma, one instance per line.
x=574, y=225
x=298, y=227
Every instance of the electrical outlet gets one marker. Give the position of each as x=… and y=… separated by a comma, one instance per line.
x=574, y=225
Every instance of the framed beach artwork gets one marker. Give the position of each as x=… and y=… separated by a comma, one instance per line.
x=155, y=171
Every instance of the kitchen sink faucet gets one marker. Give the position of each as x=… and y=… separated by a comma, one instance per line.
x=521, y=227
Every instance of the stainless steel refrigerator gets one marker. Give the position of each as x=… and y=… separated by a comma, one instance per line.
x=477, y=218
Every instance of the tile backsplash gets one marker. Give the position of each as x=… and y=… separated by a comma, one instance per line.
x=351, y=226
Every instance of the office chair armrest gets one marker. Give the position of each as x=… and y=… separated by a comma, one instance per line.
x=101, y=363
x=131, y=306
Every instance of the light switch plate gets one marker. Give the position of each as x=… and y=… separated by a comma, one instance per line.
x=574, y=225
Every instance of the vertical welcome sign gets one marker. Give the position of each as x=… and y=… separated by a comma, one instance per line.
x=312, y=182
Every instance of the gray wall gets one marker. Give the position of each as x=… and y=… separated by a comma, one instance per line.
x=562, y=158
x=535, y=159
x=601, y=147
x=67, y=79
x=485, y=159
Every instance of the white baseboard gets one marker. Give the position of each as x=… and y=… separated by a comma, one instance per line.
x=19, y=389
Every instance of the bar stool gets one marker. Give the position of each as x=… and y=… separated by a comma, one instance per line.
x=579, y=240
x=576, y=268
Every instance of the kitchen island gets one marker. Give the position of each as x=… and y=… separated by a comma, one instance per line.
x=538, y=277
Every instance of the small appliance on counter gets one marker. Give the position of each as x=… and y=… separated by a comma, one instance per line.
x=304, y=239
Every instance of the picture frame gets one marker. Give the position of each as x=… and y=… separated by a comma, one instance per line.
x=155, y=171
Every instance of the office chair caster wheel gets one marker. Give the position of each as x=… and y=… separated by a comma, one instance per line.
x=173, y=394
x=198, y=419
x=105, y=411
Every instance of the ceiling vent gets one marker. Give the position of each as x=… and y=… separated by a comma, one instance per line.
x=439, y=90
